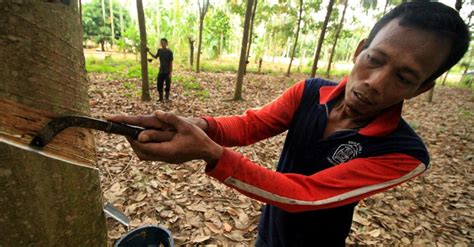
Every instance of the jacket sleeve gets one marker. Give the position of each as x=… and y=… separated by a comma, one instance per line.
x=256, y=124
x=336, y=186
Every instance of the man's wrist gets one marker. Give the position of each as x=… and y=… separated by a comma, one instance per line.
x=214, y=154
x=199, y=122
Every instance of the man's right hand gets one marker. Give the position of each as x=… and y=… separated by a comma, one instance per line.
x=147, y=49
x=157, y=131
x=187, y=141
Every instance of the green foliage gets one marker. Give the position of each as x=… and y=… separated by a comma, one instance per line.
x=95, y=28
x=465, y=112
x=119, y=68
x=130, y=41
x=191, y=85
x=129, y=86
x=217, y=29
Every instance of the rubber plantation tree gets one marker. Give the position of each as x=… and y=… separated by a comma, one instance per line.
x=300, y=16
x=111, y=18
x=243, y=52
x=191, y=50
x=49, y=196
x=252, y=19
x=143, y=52
x=96, y=29
x=338, y=32
x=203, y=7
x=321, y=38
x=217, y=32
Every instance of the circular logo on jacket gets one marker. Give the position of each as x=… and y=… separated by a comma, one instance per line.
x=345, y=152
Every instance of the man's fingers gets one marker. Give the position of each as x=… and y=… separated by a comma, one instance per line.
x=153, y=149
x=147, y=121
x=156, y=136
x=172, y=119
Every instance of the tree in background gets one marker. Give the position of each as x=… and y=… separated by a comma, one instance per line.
x=216, y=32
x=338, y=31
x=252, y=19
x=203, y=7
x=111, y=20
x=321, y=38
x=143, y=51
x=296, y=38
x=243, y=52
x=191, y=50
x=98, y=30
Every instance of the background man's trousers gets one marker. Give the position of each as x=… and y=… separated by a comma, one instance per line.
x=163, y=77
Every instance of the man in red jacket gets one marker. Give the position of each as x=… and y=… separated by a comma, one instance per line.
x=345, y=141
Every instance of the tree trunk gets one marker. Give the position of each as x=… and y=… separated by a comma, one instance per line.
x=191, y=52
x=48, y=197
x=103, y=12
x=198, y=56
x=254, y=9
x=121, y=22
x=300, y=15
x=243, y=52
x=339, y=28
x=202, y=14
x=221, y=44
x=157, y=19
x=385, y=7
x=321, y=38
x=112, y=33
x=444, y=79
x=144, y=62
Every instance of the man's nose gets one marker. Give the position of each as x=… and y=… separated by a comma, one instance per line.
x=377, y=81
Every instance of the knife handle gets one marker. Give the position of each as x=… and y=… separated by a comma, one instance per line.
x=124, y=129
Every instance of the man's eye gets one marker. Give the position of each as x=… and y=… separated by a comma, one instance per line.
x=403, y=80
x=372, y=60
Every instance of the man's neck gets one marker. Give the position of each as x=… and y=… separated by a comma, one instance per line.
x=346, y=118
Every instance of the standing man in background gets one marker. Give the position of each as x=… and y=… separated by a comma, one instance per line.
x=166, y=68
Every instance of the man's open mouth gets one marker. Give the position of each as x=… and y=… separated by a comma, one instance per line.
x=362, y=98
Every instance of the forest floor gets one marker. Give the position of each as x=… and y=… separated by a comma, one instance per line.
x=435, y=209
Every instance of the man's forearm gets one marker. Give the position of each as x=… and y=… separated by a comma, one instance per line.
x=152, y=54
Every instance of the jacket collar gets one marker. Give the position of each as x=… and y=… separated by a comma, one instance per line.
x=383, y=124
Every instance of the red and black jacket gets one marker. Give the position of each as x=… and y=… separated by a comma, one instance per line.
x=318, y=182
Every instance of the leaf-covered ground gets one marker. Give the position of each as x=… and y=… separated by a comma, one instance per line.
x=435, y=209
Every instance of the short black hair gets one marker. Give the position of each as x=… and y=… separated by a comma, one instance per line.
x=432, y=17
x=164, y=39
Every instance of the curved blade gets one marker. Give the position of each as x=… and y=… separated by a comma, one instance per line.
x=55, y=126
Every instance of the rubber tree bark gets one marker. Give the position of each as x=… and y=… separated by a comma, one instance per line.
x=48, y=197
x=191, y=50
x=112, y=29
x=243, y=53
x=321, y=38
x=338, y=32
x=300, y=16
x=143, y=53
x=202, y=13
x=254, y=10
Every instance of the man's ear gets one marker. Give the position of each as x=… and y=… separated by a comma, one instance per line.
x=359, y=49
x=423, y=88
